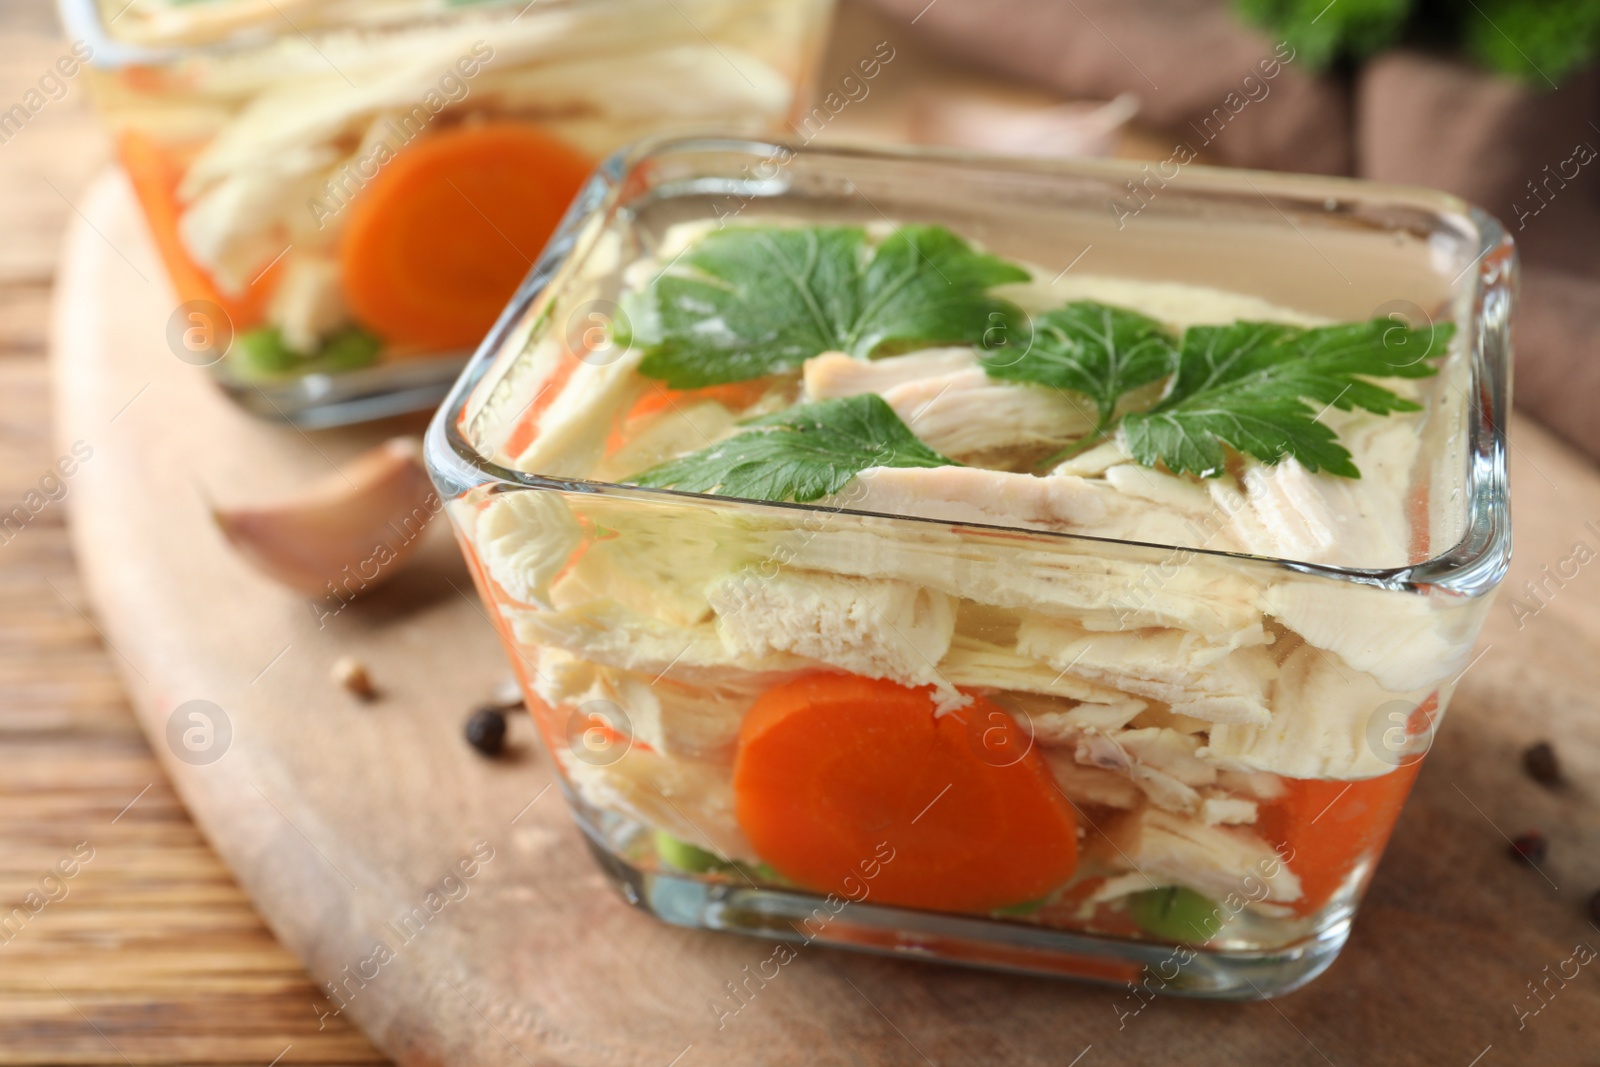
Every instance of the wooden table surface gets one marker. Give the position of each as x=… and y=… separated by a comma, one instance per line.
x=149, y=953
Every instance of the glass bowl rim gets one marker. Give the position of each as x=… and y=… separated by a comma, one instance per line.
x=1472, y=567
x=84, y=21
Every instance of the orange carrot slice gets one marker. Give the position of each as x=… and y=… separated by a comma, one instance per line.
x=735, y=396
x=1332, y=826
x=854, y=786
x=525, y=430
x=1417, y=505
x=435, y=245
x=155, y=171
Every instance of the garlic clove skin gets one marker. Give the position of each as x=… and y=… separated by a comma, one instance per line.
x=347, y=533
x=997, y=123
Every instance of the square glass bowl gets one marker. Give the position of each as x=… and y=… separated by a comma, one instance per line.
x=349, y=192
x=1219, y=857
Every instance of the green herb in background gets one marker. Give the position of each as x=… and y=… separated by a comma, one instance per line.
x=802, y=454
x=1537, y=41
x=1321, y=32
x=751, y=301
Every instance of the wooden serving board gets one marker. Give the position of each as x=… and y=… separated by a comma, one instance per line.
x=341, y=819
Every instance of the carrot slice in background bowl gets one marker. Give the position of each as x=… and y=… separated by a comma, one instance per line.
x=831, y=767
x=435, y=245
x=155, y=170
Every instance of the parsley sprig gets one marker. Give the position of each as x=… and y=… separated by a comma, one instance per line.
x=802, y=454
x=1100, y=351
x=749, y=301
x=1248, y=384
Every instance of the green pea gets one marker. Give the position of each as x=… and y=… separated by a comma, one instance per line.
x=684, y=856
x=348, y=349
x=262, y=354
x=759, y=872
x=1019, y=911
x=1176, y=914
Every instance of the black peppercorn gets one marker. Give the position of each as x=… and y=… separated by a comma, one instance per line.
x=1541, y=764
x=486, y=730
x=1530, y=847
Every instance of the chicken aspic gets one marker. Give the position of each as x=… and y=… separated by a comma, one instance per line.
x=1015, y=609
x=356, y=183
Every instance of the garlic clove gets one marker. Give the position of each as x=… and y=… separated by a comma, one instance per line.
x=347, y=533
x=1020, y=127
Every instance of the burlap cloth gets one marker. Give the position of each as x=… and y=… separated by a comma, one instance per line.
x=1404, y=117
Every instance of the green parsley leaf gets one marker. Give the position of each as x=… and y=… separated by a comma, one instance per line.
x=1093, y=349
x=746, y=302
x=1247, y=385
x=803, y=453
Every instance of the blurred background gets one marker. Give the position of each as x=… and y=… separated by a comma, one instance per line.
x=1496, y=101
